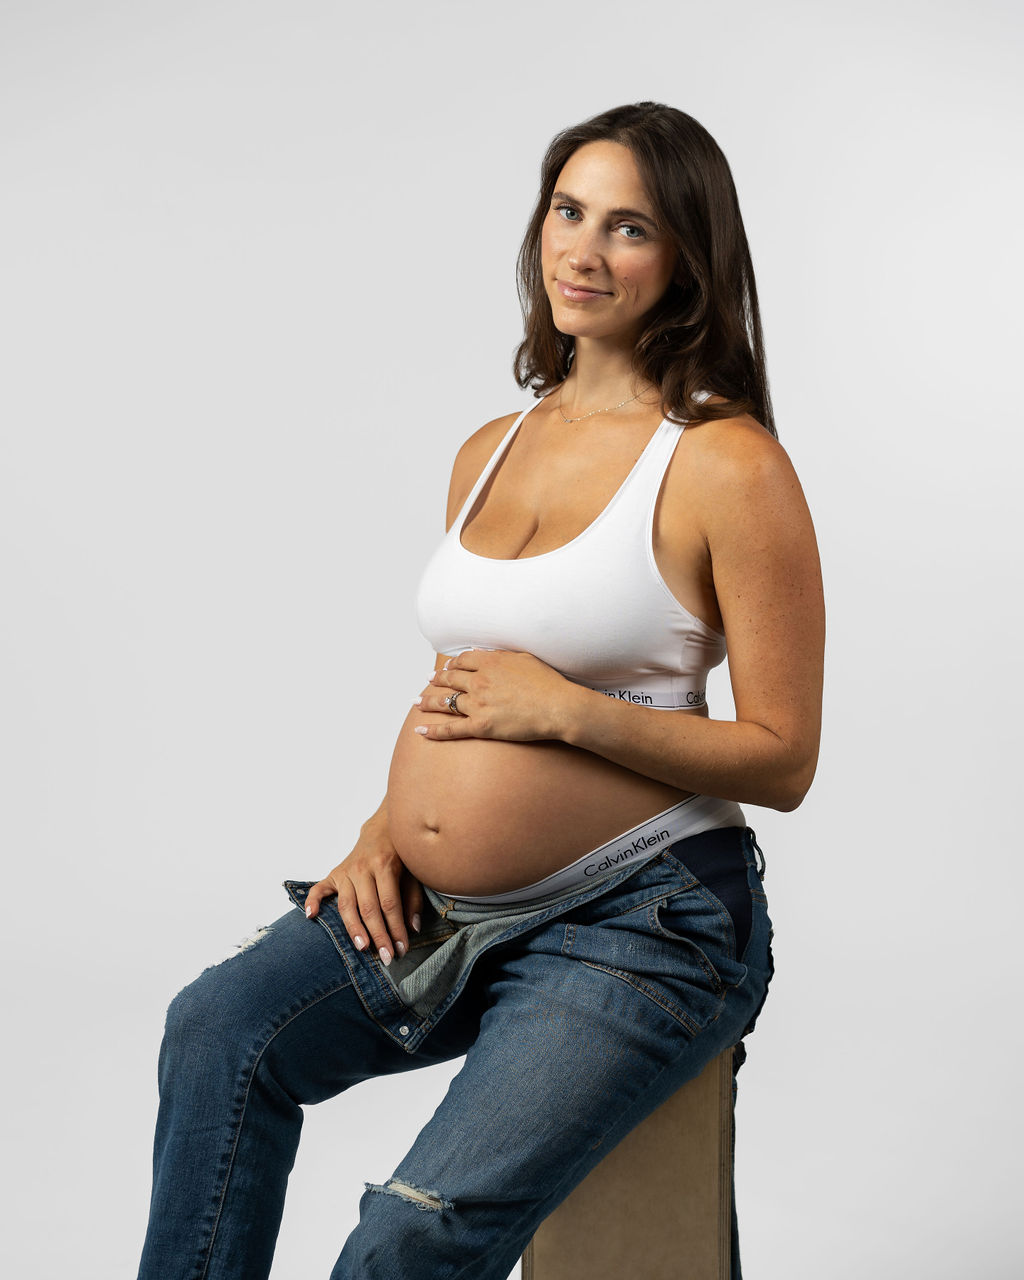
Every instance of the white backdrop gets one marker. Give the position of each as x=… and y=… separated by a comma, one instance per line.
x=254, y=255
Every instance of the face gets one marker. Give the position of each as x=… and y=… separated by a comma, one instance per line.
x=606, y=261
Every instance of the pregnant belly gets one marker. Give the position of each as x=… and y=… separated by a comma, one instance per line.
x=476, y=816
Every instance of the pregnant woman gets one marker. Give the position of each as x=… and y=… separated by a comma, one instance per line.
x=559, y=884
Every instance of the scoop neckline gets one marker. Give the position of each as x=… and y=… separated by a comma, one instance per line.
x=499, y=456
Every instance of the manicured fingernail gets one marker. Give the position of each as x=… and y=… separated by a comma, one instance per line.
x=309, y=912
x=385, y=956
x=420, y=728
x=359, y=942
x=416, y=923
x=401, y=948
x=431, y=676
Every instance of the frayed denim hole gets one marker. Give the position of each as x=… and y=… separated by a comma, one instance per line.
x=246, y=944
x=426, y=1201
x=253, y=939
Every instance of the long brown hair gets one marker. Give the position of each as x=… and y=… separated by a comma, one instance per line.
x=706, y=332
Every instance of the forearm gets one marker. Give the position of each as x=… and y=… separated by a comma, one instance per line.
x=735, y=760
x=376, y=825
x=378, y=900
x=767, y=756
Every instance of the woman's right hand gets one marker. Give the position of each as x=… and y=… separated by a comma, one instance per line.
x=376, y=894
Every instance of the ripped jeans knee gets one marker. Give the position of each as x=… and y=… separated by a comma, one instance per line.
x=205, y=1013
x=428, y=1201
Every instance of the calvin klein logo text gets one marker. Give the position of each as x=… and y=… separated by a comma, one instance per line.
x=639, y=845
x=695, y=698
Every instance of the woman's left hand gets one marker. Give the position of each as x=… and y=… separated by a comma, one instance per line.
x=510, y=696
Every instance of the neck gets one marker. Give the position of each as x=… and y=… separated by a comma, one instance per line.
x=601, y=375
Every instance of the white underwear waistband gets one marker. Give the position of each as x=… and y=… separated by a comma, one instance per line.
x=688, y=818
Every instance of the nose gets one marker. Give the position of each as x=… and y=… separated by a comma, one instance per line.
x=585, y=254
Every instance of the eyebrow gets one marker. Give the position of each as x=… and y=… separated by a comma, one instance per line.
x=613, y=213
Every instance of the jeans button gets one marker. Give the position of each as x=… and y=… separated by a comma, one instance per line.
x=403, y=1031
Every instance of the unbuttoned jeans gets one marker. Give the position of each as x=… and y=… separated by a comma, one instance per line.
x=576, y=1019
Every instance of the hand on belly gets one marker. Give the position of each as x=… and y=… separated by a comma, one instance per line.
x=480, y=816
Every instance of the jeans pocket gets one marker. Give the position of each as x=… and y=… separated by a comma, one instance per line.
x=635, y=949
x=697, y=915
x=698, y=920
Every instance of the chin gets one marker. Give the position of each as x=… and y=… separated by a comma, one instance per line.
x=574, y=325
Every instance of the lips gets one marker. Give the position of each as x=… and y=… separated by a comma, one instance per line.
x=580, y=293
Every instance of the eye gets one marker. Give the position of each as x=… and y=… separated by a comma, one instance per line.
x=631, y=231
x=569, y=212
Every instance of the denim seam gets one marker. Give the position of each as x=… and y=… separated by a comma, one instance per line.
x=375, y=969
x=374, y=965
x=233, y=1146
x=676, y=1012
x=697, y=951
x=383, y=985
x=710, y=972
x=718, y=907
x=680, y=868
x=543, y=917
x=642, y=906
x=709, y=896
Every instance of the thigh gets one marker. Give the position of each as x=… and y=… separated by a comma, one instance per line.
x=570, y=1056
x=592, y=1022
x=285, y=999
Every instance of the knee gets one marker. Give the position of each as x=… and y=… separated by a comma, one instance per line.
x=398, y=1221
x=446, y=1232
x=206, y=1020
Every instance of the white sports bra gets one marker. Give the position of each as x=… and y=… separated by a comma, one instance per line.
x=596, y=609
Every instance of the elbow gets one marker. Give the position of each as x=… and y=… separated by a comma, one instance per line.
x=787, y=802
x=788, y=789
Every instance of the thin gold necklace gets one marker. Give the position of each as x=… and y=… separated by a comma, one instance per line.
x=610, y=409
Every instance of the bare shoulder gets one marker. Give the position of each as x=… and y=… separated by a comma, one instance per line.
x=733, y=466
x=726, y=450
x=475, y=451
x=471, y=459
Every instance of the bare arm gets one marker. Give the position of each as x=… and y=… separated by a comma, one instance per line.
x=768, y=583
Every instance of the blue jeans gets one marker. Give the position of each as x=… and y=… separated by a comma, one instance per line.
x=576, y=1019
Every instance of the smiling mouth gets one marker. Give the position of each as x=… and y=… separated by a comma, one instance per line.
x=580, y=293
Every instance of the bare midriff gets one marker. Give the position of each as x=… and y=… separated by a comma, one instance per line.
x=478, y=816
